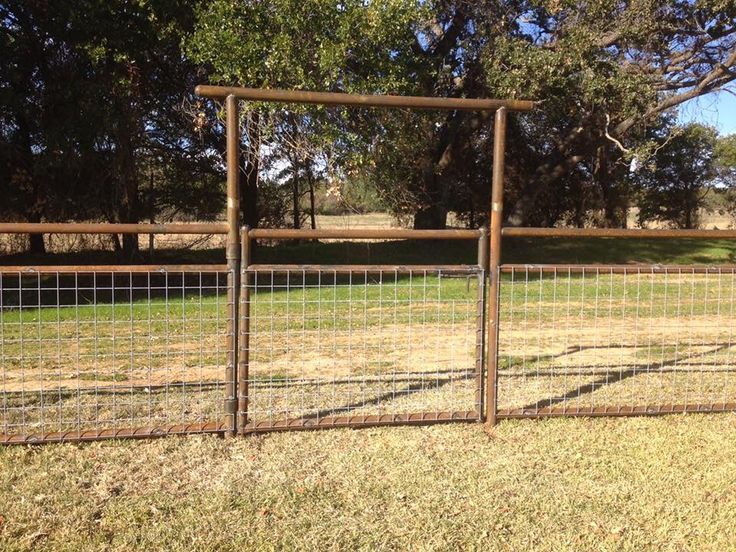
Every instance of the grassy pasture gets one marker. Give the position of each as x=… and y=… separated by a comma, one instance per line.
x=634, y=484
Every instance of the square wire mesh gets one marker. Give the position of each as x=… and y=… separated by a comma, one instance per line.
x=331, y=348
x=615, y=340
x=116, y=353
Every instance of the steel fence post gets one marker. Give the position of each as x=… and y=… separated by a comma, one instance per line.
x=496, y=220
x=244, y=354
x=232, y=254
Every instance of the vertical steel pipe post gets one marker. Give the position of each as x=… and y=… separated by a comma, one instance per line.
x=244, y=354
x=232, y=254
x=480, y=345
x=496, y=219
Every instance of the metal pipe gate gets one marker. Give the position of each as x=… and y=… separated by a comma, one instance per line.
x=96, y=352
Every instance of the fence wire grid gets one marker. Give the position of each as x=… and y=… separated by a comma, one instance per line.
x=615, y=340
x=85, y=355
x=330, y=348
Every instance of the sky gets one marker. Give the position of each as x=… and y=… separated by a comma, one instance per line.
x=717, y=109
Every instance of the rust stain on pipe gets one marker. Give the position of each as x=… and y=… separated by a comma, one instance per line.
x=362, y=233
x=515, y=232
x=360, y=100
x=125, y=269
x=618, y=269
x=110, y=228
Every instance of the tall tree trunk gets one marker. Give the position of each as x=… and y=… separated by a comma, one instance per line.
x=128, y=208
x=295, y=202
x=248, y=175
x=312, y=214
x=614, y=209
x=433, y=214
x=431, y=217
x=34, y=206
x=36, y=244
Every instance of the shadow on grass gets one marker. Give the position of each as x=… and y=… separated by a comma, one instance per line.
x=515, y=250
x=616, y=377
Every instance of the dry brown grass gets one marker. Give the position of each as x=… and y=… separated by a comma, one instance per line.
x=665, y=483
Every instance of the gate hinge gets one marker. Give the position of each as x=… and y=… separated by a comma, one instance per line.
x=231, y=406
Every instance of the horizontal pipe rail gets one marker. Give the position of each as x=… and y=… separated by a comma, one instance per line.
x=651, y=410
x=359, y=100
x=362, y=233
x=110, y=228
x=347, y=269
x=514, y=232
x=102, y=434
x=619, y=269
x=363, y=420
x=89, y=269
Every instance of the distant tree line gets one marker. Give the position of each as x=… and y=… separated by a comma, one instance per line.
x=98, y=120
x=91, y=118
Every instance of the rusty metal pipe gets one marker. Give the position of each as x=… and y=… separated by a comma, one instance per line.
x=514, y=232
x=362, y=233
x=102, y=434
x=496, y=218
x=644, y=269
x=89, y=269
x=359, y=420
x=232, y=254
x=359, y=100
x=244, y=341
x=110, y=228
x=639, y=410
x=371, y=269
x=480, y=345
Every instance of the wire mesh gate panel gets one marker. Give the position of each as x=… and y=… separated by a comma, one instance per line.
x=345, y=346
x=118, y=352
x=615, y=340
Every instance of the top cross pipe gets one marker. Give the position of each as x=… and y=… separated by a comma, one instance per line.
x=359, y=100
x=237, y=379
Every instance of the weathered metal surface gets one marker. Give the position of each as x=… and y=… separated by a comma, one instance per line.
x=347, y=269
x=617, y=268
x=90, y=269
x=111, y=228
x=244, y=354
x=104, y=434
x=480, y=345
x=232, y=254
x=640, y=410
x=625, y=233
x=357, y=100
x=496, y=217
x=361, y=234
x=414, y=418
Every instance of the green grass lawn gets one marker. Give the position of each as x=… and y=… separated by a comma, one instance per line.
x=664, y=483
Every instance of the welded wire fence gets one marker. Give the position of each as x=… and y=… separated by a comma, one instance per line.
x=111, y=352
x=351, y=346
x=143, y=351
x=615, y=340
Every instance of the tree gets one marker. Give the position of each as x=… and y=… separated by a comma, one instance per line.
x=91, y=110
x=682, y=171
x=725, y=160
x=603, y=70
x=306, y=44
x=725, y=164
